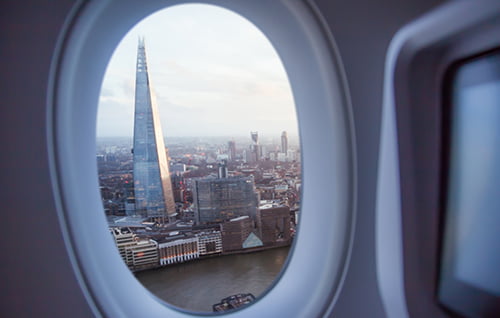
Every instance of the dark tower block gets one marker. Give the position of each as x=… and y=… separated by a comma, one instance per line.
x=284, y=143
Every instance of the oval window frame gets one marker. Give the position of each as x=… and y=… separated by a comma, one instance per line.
x=311, y=280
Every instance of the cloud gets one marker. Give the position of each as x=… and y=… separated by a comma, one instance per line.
x=128, y=87
x=213, y=73
x=106, y=92
x=111, y=124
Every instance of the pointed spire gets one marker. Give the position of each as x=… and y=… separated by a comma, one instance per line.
x=142, y=43
x=152, y=184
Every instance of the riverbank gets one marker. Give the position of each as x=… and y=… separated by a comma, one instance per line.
x=223, y=253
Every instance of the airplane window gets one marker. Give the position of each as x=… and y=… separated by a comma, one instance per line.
x=469, y=281
x=200, y=176
x=228, y=134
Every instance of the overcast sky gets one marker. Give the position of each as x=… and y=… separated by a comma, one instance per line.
x=214, y=74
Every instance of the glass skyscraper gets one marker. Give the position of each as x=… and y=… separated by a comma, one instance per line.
x=152, y=185
x=220, y=199
x=284, y=142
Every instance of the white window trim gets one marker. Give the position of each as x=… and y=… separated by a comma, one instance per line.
x=314, y=274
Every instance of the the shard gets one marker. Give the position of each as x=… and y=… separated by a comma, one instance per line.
x=152, y=185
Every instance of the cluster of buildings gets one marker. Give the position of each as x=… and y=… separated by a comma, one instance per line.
x=257, y=152
x=143, y=247
x=163, y=211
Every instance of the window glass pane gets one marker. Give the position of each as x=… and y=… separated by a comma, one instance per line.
x=200, y=175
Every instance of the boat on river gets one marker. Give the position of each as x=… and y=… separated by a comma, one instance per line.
x=233, y=302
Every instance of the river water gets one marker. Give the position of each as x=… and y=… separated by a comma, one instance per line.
x=199, y=284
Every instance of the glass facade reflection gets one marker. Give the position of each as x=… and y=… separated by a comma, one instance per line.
x=220, y=199
x=152, y=185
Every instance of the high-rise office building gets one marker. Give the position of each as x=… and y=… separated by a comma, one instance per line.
x=220, y=199
x=152, y=185
x=284, y=142
x=232, y=150
x=255, y=136
x=256, y=151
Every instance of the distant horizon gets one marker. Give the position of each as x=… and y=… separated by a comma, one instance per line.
x=293, y=141
x=266, y=136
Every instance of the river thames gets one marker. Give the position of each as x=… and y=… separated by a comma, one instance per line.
x=199, y=284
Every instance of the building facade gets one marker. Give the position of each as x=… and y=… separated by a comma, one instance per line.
x=137, y=254
x=210, y=242
x=284, y=142
x=152, y=185
x=235, y=232
x=123, y=238
x=143, y=255
x=231, y=145
x=256, y=149
x=275, y=225
x=219, y=199
x=178, y=251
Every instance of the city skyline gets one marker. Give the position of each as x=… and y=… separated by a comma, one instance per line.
x=216, y=75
